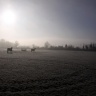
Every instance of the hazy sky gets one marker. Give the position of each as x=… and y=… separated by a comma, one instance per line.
x=56, y=21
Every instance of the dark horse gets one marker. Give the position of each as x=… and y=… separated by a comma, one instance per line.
x=33, y=49
x=9, y=50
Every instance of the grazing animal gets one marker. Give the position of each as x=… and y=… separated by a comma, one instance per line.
x=9, y=50
x=33, y=49
x=23, y=50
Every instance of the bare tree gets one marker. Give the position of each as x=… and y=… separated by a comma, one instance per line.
x=66, y=46
x=47, y=45
x=16, y=44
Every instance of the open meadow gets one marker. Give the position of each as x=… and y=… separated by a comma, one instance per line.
x=48, y=73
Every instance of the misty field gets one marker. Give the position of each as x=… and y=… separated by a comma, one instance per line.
x=48, y=73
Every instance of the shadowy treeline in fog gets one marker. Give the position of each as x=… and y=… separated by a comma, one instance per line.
x=87, y=47
x=6, y=44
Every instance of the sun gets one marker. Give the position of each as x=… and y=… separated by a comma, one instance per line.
x=8, y=17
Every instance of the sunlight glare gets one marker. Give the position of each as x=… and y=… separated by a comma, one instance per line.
x=8, y=17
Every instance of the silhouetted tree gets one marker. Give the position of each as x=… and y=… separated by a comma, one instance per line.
x=47, y=45
x=91, y=46
x=66, y=46
x=16, y=44
x=83, y=47
x=86, y=47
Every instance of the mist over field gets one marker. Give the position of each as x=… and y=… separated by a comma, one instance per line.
x=47, y=48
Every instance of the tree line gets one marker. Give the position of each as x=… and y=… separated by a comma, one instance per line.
x=47, y=45
x=6, y=44
x=85, y=47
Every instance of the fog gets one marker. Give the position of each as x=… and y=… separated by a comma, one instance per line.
x=38, y=21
